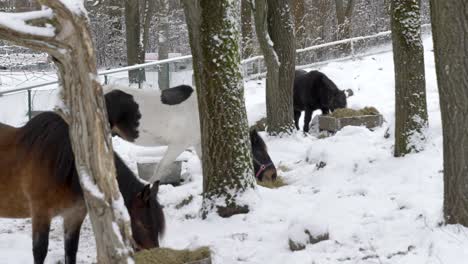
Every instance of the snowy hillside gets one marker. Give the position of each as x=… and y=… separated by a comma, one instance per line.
x=376, y=208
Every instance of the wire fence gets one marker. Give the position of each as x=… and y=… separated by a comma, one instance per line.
x=22, y=102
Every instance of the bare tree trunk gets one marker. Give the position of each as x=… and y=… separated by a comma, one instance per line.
x=84, y=109
x=410, y=83
x=450, y=33
x=275, y=32
x=163, y=44
x=299, y=23
x=149, y=6
x=343, y=16
x=227, y=164
x=247, y=33
x=135, y=52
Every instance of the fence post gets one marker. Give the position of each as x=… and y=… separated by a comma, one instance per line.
x=29, y=105
x=105, y=79
x=352, y=49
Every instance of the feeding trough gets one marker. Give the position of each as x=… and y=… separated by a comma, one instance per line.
x=147, y=162
x=368, y=117
x=146, y=170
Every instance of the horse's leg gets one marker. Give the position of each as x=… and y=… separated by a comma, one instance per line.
x=171, y=154
x=297, y=115
x=40, y=229
x=307, y=118
x=71, y=226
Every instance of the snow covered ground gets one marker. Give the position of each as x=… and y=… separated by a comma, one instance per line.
x=376, y=208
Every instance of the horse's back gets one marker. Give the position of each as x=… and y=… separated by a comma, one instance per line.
x=308, y=89
x=163, y=124
x=13, y=203
x=32, y=168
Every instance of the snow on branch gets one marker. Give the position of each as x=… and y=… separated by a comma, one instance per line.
x=25, y=29
x=19, y=22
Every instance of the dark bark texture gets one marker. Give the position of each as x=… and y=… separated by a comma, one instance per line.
x=275, y=31
x=227, y=167
x=247, y=33
x=450, y=33
x=410, y=84
x=135, y=52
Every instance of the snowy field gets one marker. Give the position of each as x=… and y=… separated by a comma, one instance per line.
x=376, y=208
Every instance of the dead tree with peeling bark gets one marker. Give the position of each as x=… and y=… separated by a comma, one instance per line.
x=62, y=30
x=227, y=162
x=274, y=26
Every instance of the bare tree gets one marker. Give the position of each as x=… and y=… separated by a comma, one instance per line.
x=135, y=52
x=344, y=14
x=70, y=44
x=108, y=33
x=410, y=83
x=163, y=43
x=247, y=33
x=275, y=31
x=299, y=23
x=214, y=33
x=450, y=33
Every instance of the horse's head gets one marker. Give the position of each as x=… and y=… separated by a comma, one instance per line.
x=124, y=115
x=147, y=217
x=337, y=100
x=264, y=168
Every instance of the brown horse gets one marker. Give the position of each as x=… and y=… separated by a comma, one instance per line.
x=38, y=180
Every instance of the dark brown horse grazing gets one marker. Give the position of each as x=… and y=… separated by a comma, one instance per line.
x=38, y=179
x=264, y=168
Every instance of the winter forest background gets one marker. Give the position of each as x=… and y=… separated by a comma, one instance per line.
x=168, y=31
x=391, y=194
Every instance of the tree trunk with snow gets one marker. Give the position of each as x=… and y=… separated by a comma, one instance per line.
x=135, y=52
x=275, y=31
x=450, y=33
x=84, y=109
x=247, y=33
x=214, y=33
x=410, y=84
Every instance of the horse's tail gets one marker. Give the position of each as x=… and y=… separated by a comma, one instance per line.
x=45, y=137
x=176, y=95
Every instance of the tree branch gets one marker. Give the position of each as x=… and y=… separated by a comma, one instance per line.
x=16, y=29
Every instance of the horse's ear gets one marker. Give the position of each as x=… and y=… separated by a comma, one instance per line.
x=145, y=194
x=155, y=188
x=253, y=135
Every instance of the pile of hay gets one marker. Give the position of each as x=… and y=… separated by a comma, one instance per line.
x=348, y=112
x=172, y=256
x=279, y=182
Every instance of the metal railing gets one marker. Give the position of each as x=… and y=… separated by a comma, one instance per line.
x=179, y=69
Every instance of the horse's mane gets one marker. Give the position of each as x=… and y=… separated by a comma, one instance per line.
x=45, y=137
x=257, y=140
x=129, y=184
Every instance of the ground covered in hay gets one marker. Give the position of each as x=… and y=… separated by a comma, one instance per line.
x=347, y=188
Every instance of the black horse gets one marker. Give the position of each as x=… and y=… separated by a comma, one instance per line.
x=314, y=90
